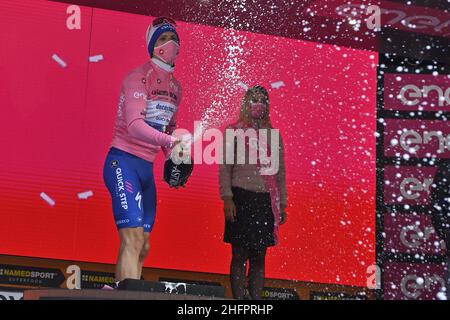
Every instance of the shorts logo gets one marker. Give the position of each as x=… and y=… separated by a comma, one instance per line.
x=138, y=199
x=118, y=222
x=129, y=187
x=114, y=163
x=121, y=186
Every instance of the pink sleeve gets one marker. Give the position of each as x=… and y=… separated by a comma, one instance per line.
x=281, y=177
x=142, y=131
x=135, y=93
x=172, y=126
x=170, y=129
x=225, y=173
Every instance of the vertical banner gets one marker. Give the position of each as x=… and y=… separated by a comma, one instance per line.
x=413, y=156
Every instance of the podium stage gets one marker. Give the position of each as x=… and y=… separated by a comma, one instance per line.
x=131, y=289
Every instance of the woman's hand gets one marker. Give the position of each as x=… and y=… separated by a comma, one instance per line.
x=230, y=209
x=283, y=216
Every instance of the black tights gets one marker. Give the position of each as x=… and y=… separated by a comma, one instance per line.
x=257, y=259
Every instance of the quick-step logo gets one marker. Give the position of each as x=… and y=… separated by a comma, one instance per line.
x=121, y=186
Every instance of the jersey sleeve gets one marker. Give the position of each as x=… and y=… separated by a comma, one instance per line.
x=134, y=91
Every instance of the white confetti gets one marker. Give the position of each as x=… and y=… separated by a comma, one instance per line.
x=96, y=58
x=85, y=195
x=243, y=85
x=49, y=200
x=441, y=296
x=60, y=61
x=277, y=85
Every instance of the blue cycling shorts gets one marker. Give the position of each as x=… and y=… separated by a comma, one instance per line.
x=131, y=183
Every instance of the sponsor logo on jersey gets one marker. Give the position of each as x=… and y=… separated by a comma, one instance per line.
x=139, y=95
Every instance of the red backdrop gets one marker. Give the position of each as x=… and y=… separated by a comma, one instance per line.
x=58, y=123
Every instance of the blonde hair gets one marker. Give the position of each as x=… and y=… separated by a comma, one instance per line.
x=245, y=114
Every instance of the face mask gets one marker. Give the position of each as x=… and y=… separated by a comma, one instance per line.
x=167, y=52
x=258, y=110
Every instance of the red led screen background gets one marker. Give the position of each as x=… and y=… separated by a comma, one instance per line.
x=57, y=126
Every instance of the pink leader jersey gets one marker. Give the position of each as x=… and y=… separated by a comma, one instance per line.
x=146, y=84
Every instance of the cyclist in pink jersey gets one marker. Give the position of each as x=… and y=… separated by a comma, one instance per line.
x=146, y=118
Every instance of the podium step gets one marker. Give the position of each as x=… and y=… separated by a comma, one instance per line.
x=173, y=288
x=131, y=289
x=96, y=294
